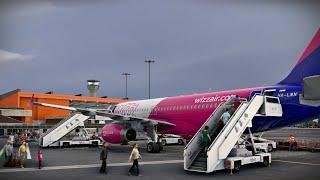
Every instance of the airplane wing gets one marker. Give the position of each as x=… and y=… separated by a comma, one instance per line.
x=123, y=118
x=117, y=118
x=55, y=106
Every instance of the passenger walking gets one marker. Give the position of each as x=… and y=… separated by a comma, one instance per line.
x=222, y=122
x=8, y=152
x=103, y=157
x=22, y=138
x=134, y=156
x=23, y=153
x=225, y=117
x=206, y=140
x=11, y=138
x=236, y=103
x=16, y=137
x=292, y=143
x=40, y=158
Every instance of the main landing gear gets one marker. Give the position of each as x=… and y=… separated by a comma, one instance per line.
x=153, y=146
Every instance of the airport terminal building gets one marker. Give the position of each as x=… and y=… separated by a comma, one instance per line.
x=15, y=107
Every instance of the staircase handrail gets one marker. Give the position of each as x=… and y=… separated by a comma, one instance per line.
x=225, y=126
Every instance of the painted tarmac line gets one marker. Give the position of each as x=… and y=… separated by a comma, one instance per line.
x=87, y=166
x=295, y=162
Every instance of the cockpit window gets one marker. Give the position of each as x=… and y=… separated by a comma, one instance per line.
x=112, y=108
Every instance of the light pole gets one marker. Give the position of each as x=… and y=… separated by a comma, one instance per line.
x=149, y=62
x=126, y=75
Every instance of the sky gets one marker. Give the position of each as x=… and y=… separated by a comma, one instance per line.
x=198, y=45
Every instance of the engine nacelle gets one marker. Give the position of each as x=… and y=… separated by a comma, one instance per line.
x=115, y=133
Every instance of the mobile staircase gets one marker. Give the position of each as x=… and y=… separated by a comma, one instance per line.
x=62, y=128
x=225, y=152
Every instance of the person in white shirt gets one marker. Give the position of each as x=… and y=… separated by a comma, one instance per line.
x=11, y=138
x=8, y=150
x=134, y=156
x=225, y=117
x=222, y=122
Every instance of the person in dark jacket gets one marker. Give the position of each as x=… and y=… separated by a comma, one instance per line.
x=103, y=157
x=206, y=139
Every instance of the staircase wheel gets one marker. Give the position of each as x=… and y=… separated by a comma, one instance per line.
x=266, y=161
x=237, y=165
x=66, y=144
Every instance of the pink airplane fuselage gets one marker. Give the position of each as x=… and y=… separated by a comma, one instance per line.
x=187, y=112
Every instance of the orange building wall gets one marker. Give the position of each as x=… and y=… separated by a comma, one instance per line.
x=42, y=113
x=11, y=101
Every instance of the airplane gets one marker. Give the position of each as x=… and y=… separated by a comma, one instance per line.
x=299, y=94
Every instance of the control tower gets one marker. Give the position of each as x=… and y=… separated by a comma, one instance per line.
x=93, y=86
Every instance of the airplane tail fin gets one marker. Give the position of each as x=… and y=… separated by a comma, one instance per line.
x=307, y=65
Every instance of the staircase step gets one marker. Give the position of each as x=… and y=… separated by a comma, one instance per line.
x=203, y=155
x=201, y=159
x=200, y=164
x=198, y=168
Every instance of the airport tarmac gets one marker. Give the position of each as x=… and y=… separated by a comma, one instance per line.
x=306, y=134
x=83, y=163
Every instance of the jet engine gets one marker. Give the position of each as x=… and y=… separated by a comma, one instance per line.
x=115, y=133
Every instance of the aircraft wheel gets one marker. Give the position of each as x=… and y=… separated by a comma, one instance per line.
x=152, y=147
x=160, y=146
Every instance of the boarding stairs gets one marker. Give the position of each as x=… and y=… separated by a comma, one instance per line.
x=62, y=128
x=195, y=159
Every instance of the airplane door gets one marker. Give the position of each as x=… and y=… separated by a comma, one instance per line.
x=254, y=93
x=272, y=106
x=270, y=92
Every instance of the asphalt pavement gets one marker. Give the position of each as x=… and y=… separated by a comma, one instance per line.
x=83, y=163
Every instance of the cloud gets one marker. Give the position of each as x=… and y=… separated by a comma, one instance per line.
x=11, y=56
